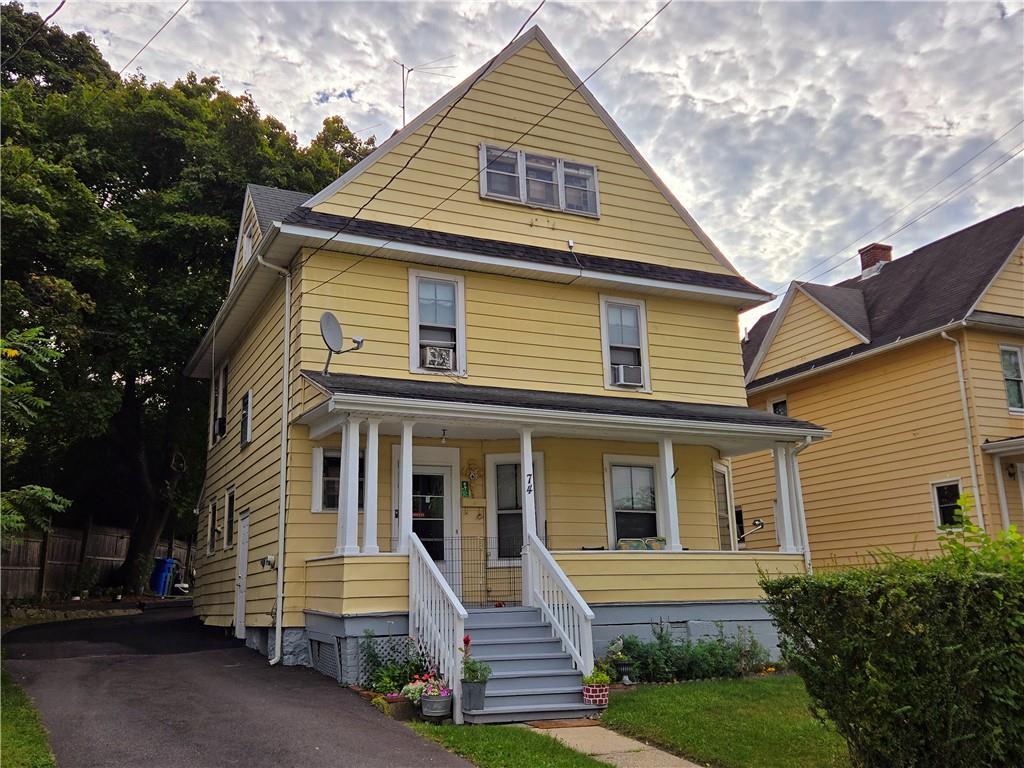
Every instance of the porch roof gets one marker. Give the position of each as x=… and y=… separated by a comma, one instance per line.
x=392, y=395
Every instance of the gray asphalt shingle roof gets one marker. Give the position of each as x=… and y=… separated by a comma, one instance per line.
x=273, y=204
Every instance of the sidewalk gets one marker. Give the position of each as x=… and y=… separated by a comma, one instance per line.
x=620, y=751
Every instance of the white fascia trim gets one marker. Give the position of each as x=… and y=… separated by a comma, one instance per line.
x=1004, y=447
x=464, y=260
x=833, y=315
x=437, y=409
x=769, y=337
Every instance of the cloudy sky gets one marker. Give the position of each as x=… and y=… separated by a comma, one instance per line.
x=788, y=130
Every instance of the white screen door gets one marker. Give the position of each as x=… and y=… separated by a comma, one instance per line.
x=242, y=569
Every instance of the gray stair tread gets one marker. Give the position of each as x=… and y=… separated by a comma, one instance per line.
x=524, y=656
x=518, y=640
x=510, y=710
x=537, y=691
x=510, y=625
x=536, y=673
x=506, y=609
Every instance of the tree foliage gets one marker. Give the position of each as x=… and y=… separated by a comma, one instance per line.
x=120, y=207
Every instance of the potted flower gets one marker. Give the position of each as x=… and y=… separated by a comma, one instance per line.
x=595, y=688
x=435, y=697
x=475, y=674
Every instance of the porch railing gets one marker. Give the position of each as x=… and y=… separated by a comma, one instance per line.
x=437, y=619
x=550, y=590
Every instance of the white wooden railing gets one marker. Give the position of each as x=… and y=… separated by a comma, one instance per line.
x=437, y=619
x=549, y=589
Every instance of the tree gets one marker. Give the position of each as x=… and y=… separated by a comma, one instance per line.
x=123, y=199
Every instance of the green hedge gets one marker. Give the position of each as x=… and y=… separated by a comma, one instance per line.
x=916, y=663
x=665, y=659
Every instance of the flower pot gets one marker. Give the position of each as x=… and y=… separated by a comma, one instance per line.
x=436, y=706
x=473, y=695
x=596, y=695
x=624, y=667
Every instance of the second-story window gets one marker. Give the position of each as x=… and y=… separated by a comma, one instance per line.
x=219, y=405
x=1013, y=376
x=245, y=424
x=538, y=180
x=437, y=324
x=624, y=335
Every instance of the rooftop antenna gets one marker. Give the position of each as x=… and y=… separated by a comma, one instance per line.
x=427, y=68
x=334, y=338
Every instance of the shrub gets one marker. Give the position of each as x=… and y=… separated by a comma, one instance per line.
x=664, y=659
x=916, y=663
x=597, y=677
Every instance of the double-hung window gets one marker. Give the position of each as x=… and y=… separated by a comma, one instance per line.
x=437, y=327
x=327, y=480
x=245, y=425
x=219, y=405
x=505, y=503
x=538, y=180
x=229, y=518
x=624, y=334
x=946, y=499
x=211, y=527
x=633, y=500
x=1012, y=361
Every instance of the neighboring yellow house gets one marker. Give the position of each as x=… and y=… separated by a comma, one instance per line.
x=916, y=368
x=531, y=442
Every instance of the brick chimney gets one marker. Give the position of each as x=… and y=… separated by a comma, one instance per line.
x=873, y=254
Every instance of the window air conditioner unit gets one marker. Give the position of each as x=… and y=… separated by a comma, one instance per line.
x=627, y=376
x=437, y=358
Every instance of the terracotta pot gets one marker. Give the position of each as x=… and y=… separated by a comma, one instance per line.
x=596, y=695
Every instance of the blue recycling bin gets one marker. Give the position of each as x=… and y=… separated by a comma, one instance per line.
x=160, y=579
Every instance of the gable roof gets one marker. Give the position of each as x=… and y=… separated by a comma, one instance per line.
x=533, y=34
x=930, y=288
x=847, y=304
x=273, y=204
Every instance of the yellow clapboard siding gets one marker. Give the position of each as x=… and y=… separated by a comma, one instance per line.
x=807, y=332
x=1006, y=294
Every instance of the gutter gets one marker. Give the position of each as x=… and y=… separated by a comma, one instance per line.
x=283, y=477
x=967, y=424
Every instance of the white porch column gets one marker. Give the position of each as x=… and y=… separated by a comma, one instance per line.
x=339, y=536
x=1004, y=512
x=667, y=491
x=370, y=489
x=783, y=499
x=800, y=521
x=405, y=489
x=348, y=492
x=528, y=484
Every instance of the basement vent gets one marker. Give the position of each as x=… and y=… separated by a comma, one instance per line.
x=325, y=658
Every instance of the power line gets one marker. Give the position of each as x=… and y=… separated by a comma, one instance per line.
x=32, y=35
x=894, y=214
x=521, y=136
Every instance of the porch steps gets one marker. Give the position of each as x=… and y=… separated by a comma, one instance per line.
x=532, y=677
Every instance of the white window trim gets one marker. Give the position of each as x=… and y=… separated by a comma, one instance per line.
x=316, y=505
x=415, y=275
x=559, y=178
x=634, y=461
x=934, y=489
x=770, y=406
x=606, y=354
x=216, y=403
x=725, y=469
x=492, y=460
x=247, y=245
x=246, y=426
x=1020, y=364
x=228, y=494
x=211, y=526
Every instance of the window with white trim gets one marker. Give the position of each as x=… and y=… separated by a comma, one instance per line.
x=779, y=406
x=219, y=405
x=211, y=527
x=624, y=344
x=229, y=518
x=327, y=479
x=505, y=503
x=245, y=425
x=723, y=508
x=633, y=500
x=247, y=246
x=946, y=499
x=1012, y=363
x=437, y=323
x=538, y=180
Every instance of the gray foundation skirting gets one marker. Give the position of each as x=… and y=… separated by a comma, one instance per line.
x=293, y=640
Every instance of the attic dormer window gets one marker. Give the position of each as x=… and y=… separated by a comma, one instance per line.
x=538, y=180
x=247, y=246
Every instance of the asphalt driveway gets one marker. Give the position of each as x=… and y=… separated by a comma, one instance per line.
x=159, y=689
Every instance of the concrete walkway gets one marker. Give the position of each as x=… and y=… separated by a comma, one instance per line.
x=616, y=749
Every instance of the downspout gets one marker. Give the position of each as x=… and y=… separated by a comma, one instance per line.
x=800, y=503
x=283, y=477
x=967, y=428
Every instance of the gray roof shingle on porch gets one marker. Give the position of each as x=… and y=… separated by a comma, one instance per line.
x=453, y=392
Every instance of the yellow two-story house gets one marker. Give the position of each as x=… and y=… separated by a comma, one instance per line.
x=917, y=367
x=488, y=381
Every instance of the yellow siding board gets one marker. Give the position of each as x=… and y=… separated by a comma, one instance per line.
x=806, y=332
x=1006, y=294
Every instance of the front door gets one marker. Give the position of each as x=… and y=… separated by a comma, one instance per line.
x=434, y=522
x=242, y=570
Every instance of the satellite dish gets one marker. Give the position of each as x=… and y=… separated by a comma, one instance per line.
x=330, y=329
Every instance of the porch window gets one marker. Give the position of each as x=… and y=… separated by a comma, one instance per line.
x=245, y=424
x=537, y=180
x=1013, y=376
x=437, y=323
x=327, y=480
x=633, y=501
x=624, y=332
x=211, y=528
x=945, y=496
x=508, y=510
x=722, y=507
x=229, y=518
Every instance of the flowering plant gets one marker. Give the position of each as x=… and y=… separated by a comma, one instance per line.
x=473, y=670
x=434, y=686
x=413, y=690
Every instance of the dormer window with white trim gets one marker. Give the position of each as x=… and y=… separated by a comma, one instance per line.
x=437, y=323
x=624, y=344
x=538, y=180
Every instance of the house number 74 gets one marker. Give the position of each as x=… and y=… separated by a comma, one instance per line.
x=529, y=483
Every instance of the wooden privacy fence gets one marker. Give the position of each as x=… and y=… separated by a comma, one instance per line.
x=40, y=563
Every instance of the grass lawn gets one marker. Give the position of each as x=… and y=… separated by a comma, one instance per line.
x=22, y=734
x=752, y=723
x=505, y=746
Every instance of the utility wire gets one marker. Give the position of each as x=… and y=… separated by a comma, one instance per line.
x=32, y=35
x=894, y=214
x=519, y=138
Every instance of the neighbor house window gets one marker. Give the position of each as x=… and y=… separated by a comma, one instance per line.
x=245, y=427
x=247, y=246
x=624, y=344
x=211, y=528
x=946, y=496
x=634, y=513
x=505, y=503
x=538, y=180
x=1012, y=359
x=723, y=507
x=229, y=518
x=327, y=480
x=219, y=405
x=779, y=407
x=437, y=323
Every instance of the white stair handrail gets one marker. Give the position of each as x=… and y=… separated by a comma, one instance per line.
x=437, y=619
x=560, y=603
